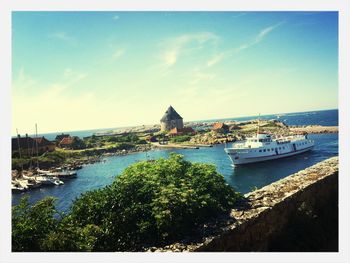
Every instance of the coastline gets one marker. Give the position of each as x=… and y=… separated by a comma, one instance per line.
x=71, y=160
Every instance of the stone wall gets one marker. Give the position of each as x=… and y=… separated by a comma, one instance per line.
x=170, y=124
x=296, y=213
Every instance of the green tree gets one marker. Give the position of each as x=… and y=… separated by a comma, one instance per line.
x=31, y=224
x=154, y=202
x=78, y=143
x=181, y=138
x=150, y=203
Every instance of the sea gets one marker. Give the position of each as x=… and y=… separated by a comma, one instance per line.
x=241, y=178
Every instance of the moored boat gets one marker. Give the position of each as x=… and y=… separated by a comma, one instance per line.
x=62, y=174
x=16, y=187
x=263, y=147
x=48, y=180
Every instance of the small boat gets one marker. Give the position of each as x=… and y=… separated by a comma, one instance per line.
x=31, y=182
x=58, y=181
x=22, y=183
x=16, y=187
x=49, y=180
x=62, y=174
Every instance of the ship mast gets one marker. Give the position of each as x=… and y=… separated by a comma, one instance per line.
x=36, y=146
x=258, y=124
x=19, y=147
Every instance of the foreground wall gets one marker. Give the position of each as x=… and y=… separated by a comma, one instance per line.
x=296, y=213
x=299, y=212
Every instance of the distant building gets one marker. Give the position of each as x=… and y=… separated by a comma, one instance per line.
x=171, y=120
x=66, y=142
x=73, y=143
x=45, y=144
x=61, y=136
x=220, y=127
x=28, y=146
x=183, y=131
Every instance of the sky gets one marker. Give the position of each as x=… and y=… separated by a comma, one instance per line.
x=90, y=70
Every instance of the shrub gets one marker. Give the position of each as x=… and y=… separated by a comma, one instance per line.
x=154, y=202
x=150, y=203
x=31, y=225
x=181, y=138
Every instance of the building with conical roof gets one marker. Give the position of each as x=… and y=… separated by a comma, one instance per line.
x=171, y=119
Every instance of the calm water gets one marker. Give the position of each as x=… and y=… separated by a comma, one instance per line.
x=324, y=117
x=242, y=179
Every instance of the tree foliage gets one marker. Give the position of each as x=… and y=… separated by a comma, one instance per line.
x=31, y=224
x=181, y=138
x=150, y=203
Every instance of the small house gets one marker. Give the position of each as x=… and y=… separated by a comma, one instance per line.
x=220, y=127
x=183, y=131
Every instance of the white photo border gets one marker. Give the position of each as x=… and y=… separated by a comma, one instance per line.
x=6, y=9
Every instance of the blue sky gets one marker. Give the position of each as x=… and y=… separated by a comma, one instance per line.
x=86, y=70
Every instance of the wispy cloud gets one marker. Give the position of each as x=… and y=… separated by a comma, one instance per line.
x=118, y=53
x=23, y=82
x=259, y=37
x=175, y=47
x=170, y=57
x=199, y=76
x=216, y=58
x=63, y=36
x=71, y=76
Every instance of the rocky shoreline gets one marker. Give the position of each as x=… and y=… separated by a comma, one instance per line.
x=314, y=129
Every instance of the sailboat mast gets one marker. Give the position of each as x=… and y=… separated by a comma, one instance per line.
x=36, y=145
x=19, y=147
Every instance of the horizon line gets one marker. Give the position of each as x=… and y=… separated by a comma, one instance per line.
x=212, y=119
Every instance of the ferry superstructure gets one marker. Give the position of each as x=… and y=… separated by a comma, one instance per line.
x=263, y=147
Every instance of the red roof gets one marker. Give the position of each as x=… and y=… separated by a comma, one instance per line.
x=42, y=141
x=66, y=141
x=219, y=125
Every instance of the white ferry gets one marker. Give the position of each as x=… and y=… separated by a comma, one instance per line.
x=263, y=147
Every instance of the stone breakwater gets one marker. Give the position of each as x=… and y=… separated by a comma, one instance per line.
x=258, y=222
x=314, y=129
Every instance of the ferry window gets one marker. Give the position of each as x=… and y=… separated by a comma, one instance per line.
x=259, y=151
x=264, y=150
x=279, y=148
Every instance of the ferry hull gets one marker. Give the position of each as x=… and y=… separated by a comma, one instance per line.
x=241, y=161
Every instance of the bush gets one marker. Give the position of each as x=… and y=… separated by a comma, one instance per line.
x=150, y=203
x=31, y=225
x=18, y=163
x=180, y=138
x=77, y=143
x=154, y=202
